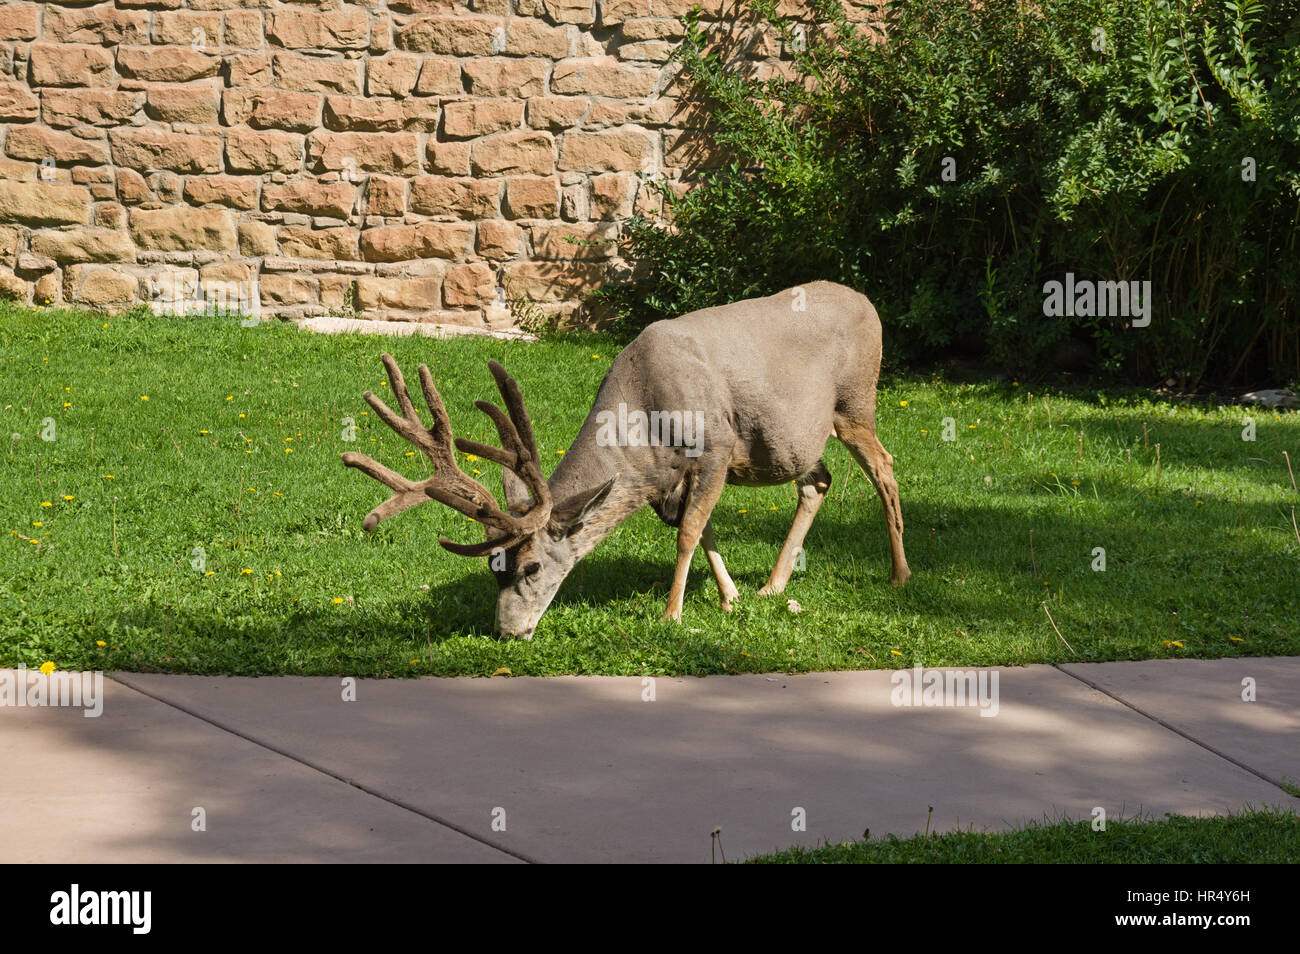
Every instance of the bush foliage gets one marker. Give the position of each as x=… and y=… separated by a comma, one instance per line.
x=1115, y=139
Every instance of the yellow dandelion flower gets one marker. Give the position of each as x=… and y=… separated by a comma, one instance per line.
x=241, y=415
x=46, y=503
x=1171, y=642
x=144, y=397
x=902, y=404
x=1074, y=483
x=244, y=571
x=37, y=523
x=67, y=404
x=109, y=477
x=205, y=432
x=472, y=458
x=230, y=397
x=896, y=652
x=69, y=497
x=48, y=667
x=337, y=600
x=288, y=450
x=210, y=573
x=100, y=643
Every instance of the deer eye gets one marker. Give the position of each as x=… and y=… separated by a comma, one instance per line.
x=531, y=568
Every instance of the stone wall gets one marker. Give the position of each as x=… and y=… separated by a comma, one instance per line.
x=417, y=160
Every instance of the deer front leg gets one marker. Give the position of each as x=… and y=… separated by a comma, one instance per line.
x=726, y=588
x=700, y=501
x=813, y=487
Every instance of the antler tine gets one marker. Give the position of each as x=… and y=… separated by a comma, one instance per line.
x=516, y=433
x=408, y=425
x=399, y=387
x=514, y=399
x=441, y=429
x=408, y=494
x=449, y=484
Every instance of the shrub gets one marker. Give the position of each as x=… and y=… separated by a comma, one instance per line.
x=1120, y=140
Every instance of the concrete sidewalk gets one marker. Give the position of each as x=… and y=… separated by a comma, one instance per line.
x=585, y=769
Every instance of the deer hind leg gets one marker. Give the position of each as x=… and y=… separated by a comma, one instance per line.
x=813, y=487
x=700, y=500
x=860, y=438
x=726, y=588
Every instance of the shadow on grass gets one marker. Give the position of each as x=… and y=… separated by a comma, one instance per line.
x=973, y=572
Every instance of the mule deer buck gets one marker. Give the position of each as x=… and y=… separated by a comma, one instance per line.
x=765, y=382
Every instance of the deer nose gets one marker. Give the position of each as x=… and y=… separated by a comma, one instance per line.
x=512, y=633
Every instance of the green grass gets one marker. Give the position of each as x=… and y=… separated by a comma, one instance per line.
x=1269, y=836
x=237, y=450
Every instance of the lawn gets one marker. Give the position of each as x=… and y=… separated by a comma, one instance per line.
x=190, y=513
x=1268, y=836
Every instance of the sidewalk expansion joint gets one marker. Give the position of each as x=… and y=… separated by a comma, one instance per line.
x=1177, y=731
x=428, y=816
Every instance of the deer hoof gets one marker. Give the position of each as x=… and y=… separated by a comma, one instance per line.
x=770, y=590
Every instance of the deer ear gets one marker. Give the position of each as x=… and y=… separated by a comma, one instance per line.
x=568, y=516
x=517, y=496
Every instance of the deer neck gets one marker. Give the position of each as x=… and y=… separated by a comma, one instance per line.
x=586, y=465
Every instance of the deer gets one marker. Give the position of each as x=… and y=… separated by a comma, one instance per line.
x=766, y=382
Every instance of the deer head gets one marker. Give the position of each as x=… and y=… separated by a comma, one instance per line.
x=531, y=545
